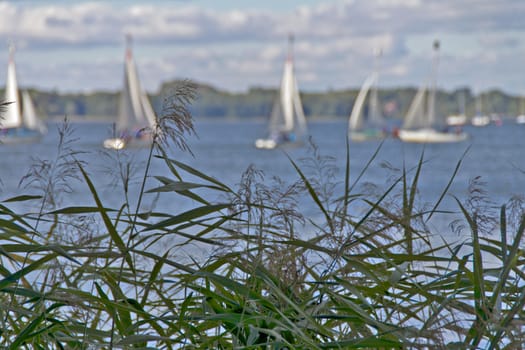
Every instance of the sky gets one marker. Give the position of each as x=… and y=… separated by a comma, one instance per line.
x=78, y=46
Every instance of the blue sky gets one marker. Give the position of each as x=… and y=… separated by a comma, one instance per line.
x=237, y=44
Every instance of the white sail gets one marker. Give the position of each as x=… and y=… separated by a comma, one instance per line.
x=134, y=108
x=373, y=126
x=301, y=126
x=356, y=120
x=30, y=118
x=415, y=117
x=287, y=91
x=148, y=111
x=12, y=116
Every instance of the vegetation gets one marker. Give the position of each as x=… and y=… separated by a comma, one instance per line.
x=257, y=102
x=249, y=271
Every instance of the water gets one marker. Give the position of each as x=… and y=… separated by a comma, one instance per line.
x=224, y=149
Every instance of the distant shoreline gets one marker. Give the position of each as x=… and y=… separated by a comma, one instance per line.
x=79, y=119
x=256, y=103
x=108, y=119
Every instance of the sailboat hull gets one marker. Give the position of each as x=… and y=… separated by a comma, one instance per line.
x=480, y=120
x=280, y=139
x=139, y=140
x=271, y=143
x=367, y=135
x=115, y=143
x=265, y=144
x=428, y=135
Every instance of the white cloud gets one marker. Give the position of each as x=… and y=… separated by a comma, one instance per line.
x=334, y=46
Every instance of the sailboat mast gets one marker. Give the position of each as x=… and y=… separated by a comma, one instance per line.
x=290, y=47
x=432, y=96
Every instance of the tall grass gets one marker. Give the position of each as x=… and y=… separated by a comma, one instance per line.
x=250, y=270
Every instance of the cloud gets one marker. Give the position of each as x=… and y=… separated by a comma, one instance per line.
x=236, y=48
x=87, y=22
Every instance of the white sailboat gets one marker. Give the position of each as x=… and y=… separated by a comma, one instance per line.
x=136, y=119
x=360, y=129
x=419, y=125
x=19, y=123
x=287, y=122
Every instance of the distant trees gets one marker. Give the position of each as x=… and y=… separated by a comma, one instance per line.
x=257, y=102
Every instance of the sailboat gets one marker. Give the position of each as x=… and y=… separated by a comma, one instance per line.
x=20, y=123
x=287, y=121
x=419, y=125
x=136, y=120
x=360, y=129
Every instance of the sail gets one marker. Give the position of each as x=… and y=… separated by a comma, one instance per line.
x=12, y=116
x=281, y=119
x=416, y=117
x=31, y=121
x=135, y=110
x=301, y=127
x=363, y=127
x=356, y=120
x=287, y=112
x=275, y=117
x=148, y=111
x=375, y=117
x=287, y=91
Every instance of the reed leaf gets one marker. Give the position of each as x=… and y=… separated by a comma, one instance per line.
x=476, y=332
x=197, y=173
x=22, y=198
x=447, y=187
x=78, y=210
x=365, y=168
x=313, y=195
x=33, y=266
x=30, y=330
x=179, y=186
x=187, y=216
x=115, y=237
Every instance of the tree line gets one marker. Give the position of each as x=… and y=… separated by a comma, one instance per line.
x=258, y=101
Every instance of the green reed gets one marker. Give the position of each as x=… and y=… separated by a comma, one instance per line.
x=250, y=271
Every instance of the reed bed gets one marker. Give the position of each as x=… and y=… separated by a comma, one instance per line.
x=362, y=274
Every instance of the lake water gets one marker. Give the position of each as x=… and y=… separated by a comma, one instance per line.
x=224, y=149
